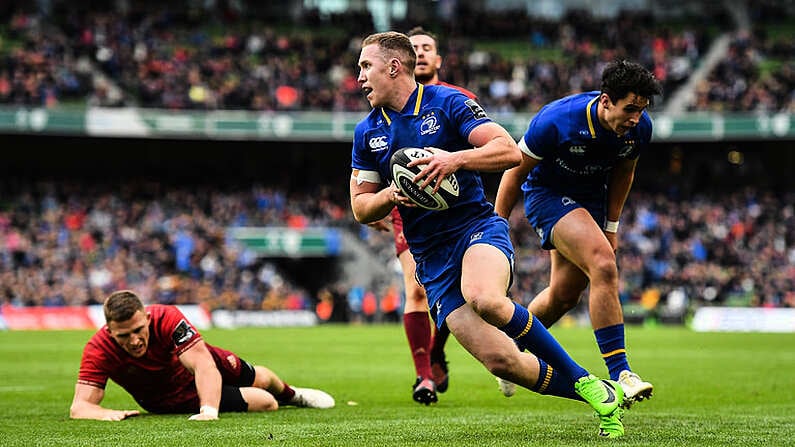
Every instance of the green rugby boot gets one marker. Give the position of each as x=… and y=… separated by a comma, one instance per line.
x=605, y=397
x=611, y=426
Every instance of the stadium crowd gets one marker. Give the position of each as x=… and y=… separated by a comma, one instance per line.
x=757, y=75
x=74, y=246
x=731, y=249
x=199, y=59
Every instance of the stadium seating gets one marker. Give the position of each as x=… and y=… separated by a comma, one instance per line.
x=173, y=60
x=72, y=244
x=74, y=249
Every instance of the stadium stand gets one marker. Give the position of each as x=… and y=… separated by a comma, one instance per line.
x=166, y=59
x=69, y=242
x=75, y=246
x=173, y=58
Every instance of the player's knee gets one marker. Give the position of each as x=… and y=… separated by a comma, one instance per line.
x=482, y=302
x=604, y=269
x=259, y=400
x=415, y=293
x=264, y=406
x=500, y=364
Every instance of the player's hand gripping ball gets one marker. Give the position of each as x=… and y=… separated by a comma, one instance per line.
x=404, y=179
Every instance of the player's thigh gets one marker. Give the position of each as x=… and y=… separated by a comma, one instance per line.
x=485, y=272
x=578, y=237
x=263, y=378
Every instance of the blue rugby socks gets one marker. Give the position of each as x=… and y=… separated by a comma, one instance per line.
x=530, y=334
x=612, y=346
x=553, y=383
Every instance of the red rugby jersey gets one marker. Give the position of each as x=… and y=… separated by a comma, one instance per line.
x=469, y=94
x=157, y=381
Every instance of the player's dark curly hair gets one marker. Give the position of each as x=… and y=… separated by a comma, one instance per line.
x=121, y=305
x=622, y=77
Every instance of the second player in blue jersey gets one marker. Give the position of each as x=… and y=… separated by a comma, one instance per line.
x=579, y=158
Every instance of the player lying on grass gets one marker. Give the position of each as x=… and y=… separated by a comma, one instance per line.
x=159, y=357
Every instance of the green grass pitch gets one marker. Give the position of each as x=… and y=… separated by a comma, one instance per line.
x=711, y=389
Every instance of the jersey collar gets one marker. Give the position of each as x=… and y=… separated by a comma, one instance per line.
x=417, y=103
x=590, y=118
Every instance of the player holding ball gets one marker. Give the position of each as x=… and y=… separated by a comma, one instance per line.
x=463, y=253
x=427, y=346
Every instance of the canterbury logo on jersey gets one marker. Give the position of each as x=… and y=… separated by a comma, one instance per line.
x=378, y=144
x=232, y=361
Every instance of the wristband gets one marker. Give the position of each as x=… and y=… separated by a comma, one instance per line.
x=209, y=410
x=611, y=226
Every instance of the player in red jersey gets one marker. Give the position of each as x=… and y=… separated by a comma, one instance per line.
x=159, y=357
x=427, y=347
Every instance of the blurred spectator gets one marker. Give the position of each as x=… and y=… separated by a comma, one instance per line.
x=74, y=248
x=164, y=58
x=757, y=75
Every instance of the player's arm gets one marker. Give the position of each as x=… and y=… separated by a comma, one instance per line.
x=369, y=201
x=511, y=182
x=198, y=360
x=618, y=187
x=493, y=151
x=85, y=405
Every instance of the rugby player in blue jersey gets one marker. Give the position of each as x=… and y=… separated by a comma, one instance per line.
x=463, y=254
x=427, y=346
x=578, y=165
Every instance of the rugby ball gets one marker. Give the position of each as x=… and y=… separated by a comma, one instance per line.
x=404, y=179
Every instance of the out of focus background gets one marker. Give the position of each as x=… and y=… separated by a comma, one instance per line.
x=198, y=152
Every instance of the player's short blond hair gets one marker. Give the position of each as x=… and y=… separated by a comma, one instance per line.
x=394, y=45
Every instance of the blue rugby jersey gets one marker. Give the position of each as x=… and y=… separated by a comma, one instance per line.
x=434, y=116
x=576, y=152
